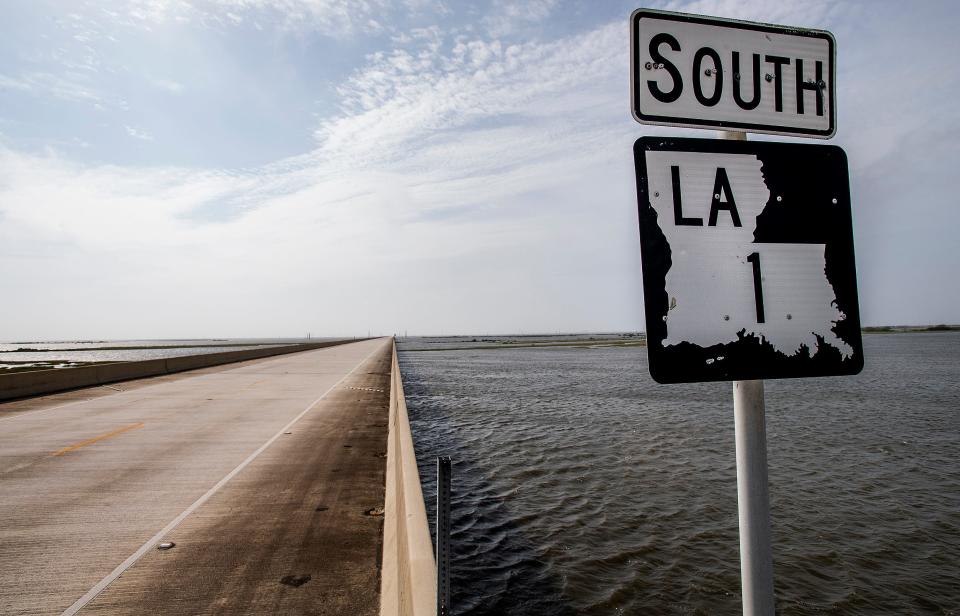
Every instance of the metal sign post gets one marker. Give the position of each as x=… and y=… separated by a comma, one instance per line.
x=753, y=500
x=753, y=496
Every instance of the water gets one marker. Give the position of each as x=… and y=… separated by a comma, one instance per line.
x=43, y=355
x=582, y=487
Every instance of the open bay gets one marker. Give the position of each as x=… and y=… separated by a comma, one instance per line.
x=583, y=487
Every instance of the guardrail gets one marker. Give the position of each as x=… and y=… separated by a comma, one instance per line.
x=37, y=382
x=409, y=574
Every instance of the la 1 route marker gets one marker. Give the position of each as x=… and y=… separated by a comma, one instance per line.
x=706, y=72
x=748, y=261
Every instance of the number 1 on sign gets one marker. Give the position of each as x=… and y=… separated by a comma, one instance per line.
x=757, y=289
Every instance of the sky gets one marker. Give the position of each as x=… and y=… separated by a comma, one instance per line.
x=259, y=168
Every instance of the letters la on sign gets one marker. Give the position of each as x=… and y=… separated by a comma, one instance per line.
x=705, y=72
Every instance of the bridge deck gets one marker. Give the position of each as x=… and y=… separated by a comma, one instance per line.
x=262, y=475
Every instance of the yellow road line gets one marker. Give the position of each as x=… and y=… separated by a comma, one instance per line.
x=93, y=440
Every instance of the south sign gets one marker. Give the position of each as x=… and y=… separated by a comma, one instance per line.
x=705, y=72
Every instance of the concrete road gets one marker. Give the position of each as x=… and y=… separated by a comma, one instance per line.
x=264, y=476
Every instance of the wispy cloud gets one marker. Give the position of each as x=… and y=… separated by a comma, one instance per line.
x=509, y=16
x=806, y=13
x=408, y=100
x=336, y=18
x=425, y=166
x=12, y=83
x=65, y=87
x=458, y=180
x=138, y=134
x=451, y=115
x=168, y=85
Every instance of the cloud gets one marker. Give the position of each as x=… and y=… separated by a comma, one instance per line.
x=430, y=125
x=509, y=16
x=801, y=13
x=450, y=159
x=156, y=11
x=74, y=89
x=409, y=99
x=57, y=200
x=464, y=183
x=12, y=83
x=332, y=17
x=168, y=85
x=335, y=18
x=138, y=134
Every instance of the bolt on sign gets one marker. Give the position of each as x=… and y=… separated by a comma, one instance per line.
x=748, y=261
x=707, y=72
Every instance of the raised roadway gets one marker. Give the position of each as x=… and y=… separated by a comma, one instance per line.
x=267, y=478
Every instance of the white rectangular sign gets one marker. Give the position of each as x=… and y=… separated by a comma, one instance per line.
x=705, y=72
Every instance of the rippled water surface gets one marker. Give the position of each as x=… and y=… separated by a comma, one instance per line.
x=583, y=487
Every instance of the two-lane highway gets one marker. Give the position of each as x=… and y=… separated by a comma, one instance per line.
x=261, y=475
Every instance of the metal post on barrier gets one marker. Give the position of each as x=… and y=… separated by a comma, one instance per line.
x=443, y=536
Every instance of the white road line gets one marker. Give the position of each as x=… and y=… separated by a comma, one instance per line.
x=152, y=541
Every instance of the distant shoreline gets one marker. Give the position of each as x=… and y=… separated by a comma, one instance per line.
x=140, y=347
x=64, y=358
x=587, y=344
x=909, y=329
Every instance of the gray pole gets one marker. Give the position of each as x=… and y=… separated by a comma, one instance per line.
x=753, y=497
x=443, y=536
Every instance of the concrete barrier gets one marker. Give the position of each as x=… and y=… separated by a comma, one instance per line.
x=37, y=382
x=409, y=577
x=111, y=373
x=22, y=384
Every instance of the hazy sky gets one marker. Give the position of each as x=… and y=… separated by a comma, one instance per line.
x=179, y=168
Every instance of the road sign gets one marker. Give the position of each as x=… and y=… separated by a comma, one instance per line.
x=706, y=72
x=748, y=263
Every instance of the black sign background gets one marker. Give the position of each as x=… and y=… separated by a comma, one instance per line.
x=811, y=175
